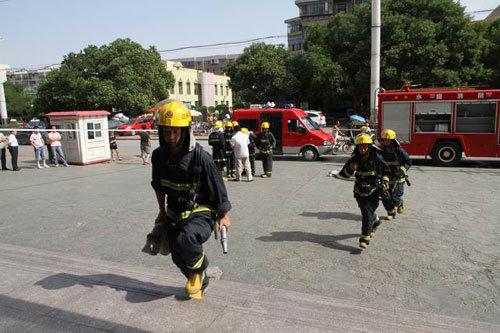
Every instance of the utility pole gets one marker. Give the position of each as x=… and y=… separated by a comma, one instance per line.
x=375, y=58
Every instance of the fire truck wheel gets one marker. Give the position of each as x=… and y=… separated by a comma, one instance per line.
x=447, y=153
x=309, y=154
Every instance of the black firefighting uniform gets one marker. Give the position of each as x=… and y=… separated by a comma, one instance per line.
x=367, y=187
x=230, y=166
x=266, y=142
x=217, y=141
x=251, y=151
x=399, y=162
x=189, y=227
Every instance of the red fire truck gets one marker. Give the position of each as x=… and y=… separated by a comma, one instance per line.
x=443, y=124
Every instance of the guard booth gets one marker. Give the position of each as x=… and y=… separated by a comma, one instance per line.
x=84, y=134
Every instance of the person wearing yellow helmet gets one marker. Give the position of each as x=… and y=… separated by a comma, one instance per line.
x=228, y=135
x=372, y=178
x=191, y=195
x=217, y=141
x=236, y=126
x=399, y=161
x=265, y=143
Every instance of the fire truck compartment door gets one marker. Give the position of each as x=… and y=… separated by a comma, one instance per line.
x=396, y=116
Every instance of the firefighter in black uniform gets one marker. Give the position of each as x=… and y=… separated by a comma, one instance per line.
x=251, y=148
x=196, y=198
x=217, y=141
x=265, y=143
x=398, y=160
x=372, y=178
x=228, y=135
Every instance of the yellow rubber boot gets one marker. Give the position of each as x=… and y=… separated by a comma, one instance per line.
x=391, y=215
x=401, y=209
x=193, y=286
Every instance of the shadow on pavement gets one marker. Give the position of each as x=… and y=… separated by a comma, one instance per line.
x=333, y=215
x=328, y=241
x=137, y=291
x=29, y=316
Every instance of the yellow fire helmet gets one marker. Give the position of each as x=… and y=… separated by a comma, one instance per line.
x=173, y=114
x=363, y=129
x=265, y=125
x=229, y=124
x=218, y=124
x=363, y=139
x=245, y=130
x=235, y=123
x=389, y=134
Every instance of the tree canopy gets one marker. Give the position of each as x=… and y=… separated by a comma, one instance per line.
x=263, y=73
x=19, y=102
x=427, y=42
x=122, y=75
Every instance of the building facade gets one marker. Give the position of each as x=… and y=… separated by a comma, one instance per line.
x=313, y=12
x=213, y=64
x=198, y=88
x=30, y=79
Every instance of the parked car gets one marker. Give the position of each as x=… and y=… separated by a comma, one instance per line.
x=135, y=125
x=317, y=117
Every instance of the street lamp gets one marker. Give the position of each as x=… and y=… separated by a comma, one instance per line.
x=3, y=104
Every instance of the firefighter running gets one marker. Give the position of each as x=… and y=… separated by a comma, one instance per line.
x=228, y=135
x=217, y=141
x=399, y=162
x=187, y=180
x=372, y=179
x=265, y=143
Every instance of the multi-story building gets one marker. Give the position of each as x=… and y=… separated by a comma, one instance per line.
x=214, y=64
x=29, y=78
x=313, y=12
x=199, y=88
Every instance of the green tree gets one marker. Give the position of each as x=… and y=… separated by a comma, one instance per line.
x=491, y=58
x=121, y=75
x=262, y=73
x=19, y=102
x=427, y=42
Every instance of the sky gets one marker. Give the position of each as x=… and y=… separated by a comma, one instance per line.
x=36, y=33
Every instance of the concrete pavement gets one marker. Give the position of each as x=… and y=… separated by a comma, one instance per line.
x=294, y=233
x=48, y=291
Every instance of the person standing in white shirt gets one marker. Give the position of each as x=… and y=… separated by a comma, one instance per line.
x=56, y=147
x=38, y=144
x=240, y=142
x=13, y=149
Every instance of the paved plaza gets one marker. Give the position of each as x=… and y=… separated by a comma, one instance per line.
x=70, y=241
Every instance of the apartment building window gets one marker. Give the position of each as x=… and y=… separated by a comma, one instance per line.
x=227, y=91
x=196, y=88
x=181, y=90
x=341, y=8
x=295, y=45
x=319, y=8
x=188, y=88
x=221, y=90
x=171, y=90
x=216, y=89
x=294, y=27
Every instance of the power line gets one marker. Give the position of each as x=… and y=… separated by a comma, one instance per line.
x=223, y=44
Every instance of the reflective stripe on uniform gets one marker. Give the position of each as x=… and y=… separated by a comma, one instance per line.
x=175, y=186
x=363, y=237
x=185, y=215
x=198, y=263
x=392, y=162
x=365, y=194
x=365, y=173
